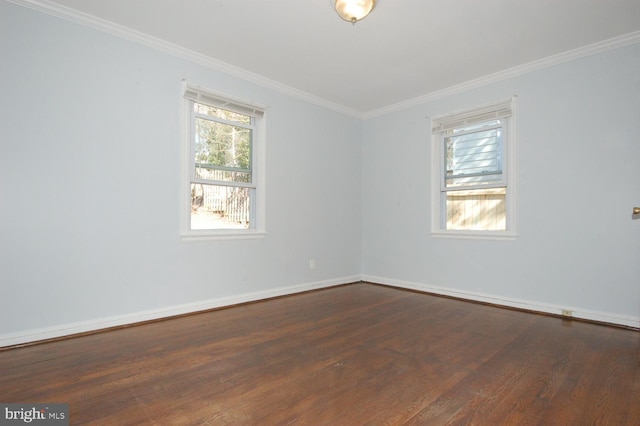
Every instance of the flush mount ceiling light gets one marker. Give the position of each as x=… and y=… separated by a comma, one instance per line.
x=353, y=10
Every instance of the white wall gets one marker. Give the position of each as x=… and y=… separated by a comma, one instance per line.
x=89, y=186
x=578, y=177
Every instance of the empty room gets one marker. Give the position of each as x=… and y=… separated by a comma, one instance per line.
x=320, y=212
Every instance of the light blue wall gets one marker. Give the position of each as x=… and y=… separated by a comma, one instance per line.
x=89, y=182
x=89, y=186
x=578, y=177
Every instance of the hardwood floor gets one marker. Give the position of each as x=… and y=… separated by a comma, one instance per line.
x=351, y=355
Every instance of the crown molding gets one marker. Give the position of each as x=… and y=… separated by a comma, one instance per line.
x=570, y=55
x=175, y=50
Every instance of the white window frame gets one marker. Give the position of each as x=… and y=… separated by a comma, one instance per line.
x=504, y=110
x=191, y=93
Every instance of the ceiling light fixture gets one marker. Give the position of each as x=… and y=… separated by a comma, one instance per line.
x=353, y=10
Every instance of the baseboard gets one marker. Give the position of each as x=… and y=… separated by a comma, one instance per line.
x=63, y=330
x=578, y=313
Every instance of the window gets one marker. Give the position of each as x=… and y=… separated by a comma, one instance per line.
x=474, y=175
x=222, y=168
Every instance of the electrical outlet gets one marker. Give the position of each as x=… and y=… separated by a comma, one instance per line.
x=312, y=264
x=567, y=313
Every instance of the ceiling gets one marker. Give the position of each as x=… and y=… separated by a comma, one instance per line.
x=405, y=49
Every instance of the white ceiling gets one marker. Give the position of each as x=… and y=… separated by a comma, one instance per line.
x=405, y=49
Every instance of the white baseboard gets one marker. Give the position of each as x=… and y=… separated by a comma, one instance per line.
x=579, y=313
x=34, y=335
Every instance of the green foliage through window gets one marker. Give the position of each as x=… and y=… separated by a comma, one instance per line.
x=223, y=144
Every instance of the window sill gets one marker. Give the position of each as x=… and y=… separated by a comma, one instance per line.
x=476, y=235
x=222, y=235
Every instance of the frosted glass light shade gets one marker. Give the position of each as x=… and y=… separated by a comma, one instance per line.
x=354, y=10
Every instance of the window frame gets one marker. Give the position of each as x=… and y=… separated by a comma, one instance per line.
x=504, y=110
x=190, y=94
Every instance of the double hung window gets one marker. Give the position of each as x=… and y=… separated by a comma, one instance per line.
x=221, y=165
x=474, y=151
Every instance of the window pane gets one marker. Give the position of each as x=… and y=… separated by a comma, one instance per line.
x=473, y=156
x=480, y=209
x=206, y=172
x=222, y=113
x=220, y=207
x=222, y=146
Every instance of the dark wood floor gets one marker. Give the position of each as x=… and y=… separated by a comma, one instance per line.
x=352, y=355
